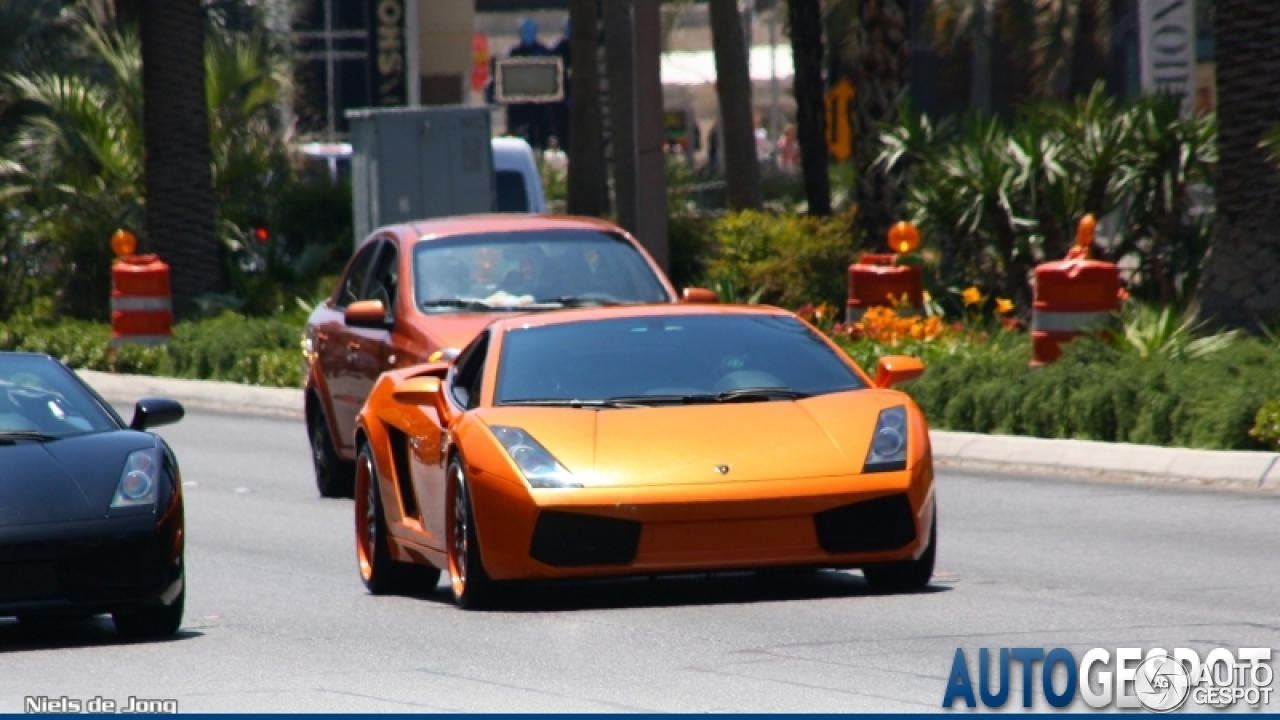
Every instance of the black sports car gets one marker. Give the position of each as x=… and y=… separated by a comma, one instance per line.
x=90, y=507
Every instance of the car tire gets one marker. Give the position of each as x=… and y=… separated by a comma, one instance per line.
x=472, y=588
x=155, y=619
x=381, y=574
x=334, y=477
x=908, y=575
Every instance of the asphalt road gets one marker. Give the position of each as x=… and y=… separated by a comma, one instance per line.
x=277, y=619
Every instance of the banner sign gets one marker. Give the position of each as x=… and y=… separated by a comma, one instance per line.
x=387, y=66
x=1167, y=34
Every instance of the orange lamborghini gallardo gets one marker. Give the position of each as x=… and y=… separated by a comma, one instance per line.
x=642, y=440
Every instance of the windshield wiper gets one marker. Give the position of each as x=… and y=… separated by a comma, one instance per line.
x=467, y=304
x=566, y=402
x=760, y=393
x=739, y=395
x=589, y=299
x=26, y=435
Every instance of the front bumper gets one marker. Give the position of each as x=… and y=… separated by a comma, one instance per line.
x=850, y=521
x=95, y=566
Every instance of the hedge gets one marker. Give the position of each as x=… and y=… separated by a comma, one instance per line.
x=1095, y=392
x=258, y=351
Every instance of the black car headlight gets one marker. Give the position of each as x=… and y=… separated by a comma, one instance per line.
x=140, y=480
x=539, y=467
x=888, y=442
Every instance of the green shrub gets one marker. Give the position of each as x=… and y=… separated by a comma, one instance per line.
x=259, y=351
x=1096, y=392
x=788, y=258
x=1266, y=424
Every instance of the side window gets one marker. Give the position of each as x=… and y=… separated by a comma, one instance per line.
x=385, y=278
x=353, y=282
x=469, y=372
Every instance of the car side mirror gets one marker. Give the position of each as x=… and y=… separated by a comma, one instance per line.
x=895, y=369
x=370, y=314
x=699, y=295
x=418, y=391
x=153, y=412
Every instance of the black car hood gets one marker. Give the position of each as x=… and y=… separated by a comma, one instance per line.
x=72, y=478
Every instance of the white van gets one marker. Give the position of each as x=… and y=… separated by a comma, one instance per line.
x=516, y=180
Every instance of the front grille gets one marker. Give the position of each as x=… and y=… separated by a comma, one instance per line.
x=563, y=539
x=886, y=523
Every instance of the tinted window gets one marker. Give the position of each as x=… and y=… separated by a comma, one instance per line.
x=512, y=194
x=671, y=355
x=520, y=269
x=385, y=279
x=357, y=273
x=38, y=395
x=465, y=385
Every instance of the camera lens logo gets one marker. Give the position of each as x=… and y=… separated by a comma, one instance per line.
x=1161, y=684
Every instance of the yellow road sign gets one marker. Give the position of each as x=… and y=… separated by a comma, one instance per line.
x=839, y=130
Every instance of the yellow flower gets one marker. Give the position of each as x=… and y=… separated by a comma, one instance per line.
x=1004, y=306
x=971, y=296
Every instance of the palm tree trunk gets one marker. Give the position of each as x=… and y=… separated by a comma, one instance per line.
x=1241, y=284
x=733, y=88
x=180, y=224
x=805, y=18
x=620, y=65
x=588, y=175
x=884, y=65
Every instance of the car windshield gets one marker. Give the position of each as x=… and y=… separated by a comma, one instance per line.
x=673, y=359
x=39, y=400
x=531, y=269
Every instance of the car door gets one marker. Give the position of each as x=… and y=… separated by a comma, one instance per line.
x=369, y=351
x=334, y=342
x=463, y=387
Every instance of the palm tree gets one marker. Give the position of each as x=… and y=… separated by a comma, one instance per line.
x=620, y=61
x=1241, y=283
x=1053, y=48
x=180, y=224
x=884, y=60
x=805, y=20
x=733, y=88
x=588, y=175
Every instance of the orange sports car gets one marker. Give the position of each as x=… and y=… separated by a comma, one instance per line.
x=420, y=291
x=642, y=440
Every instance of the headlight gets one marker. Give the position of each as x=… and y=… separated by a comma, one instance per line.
x=537, y=465
x=889, y=442
x=139, y=480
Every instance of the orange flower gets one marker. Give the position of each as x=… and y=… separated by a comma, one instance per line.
x=971, y=296
x=1004, y=306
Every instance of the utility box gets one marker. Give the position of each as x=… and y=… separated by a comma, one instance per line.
x=416, y=163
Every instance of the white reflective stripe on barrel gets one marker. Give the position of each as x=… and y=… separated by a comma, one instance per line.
x=139, y=340
x=140, y=304
x=1067, y=321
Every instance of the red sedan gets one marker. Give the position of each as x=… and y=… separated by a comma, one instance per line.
x=459, y=274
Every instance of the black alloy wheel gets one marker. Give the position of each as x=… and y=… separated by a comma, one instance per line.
x=472, y=588
x=334, y=477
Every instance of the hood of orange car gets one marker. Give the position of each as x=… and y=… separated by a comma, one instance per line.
x=706, y=444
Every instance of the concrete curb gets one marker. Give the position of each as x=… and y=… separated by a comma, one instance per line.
x=209, y=395
x=1078, y=458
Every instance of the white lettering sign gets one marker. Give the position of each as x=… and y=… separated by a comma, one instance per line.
x=1168, y=48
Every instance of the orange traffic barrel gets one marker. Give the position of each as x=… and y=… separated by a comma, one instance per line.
x=141, y=305
x=874, y=281
x=1072, y=296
